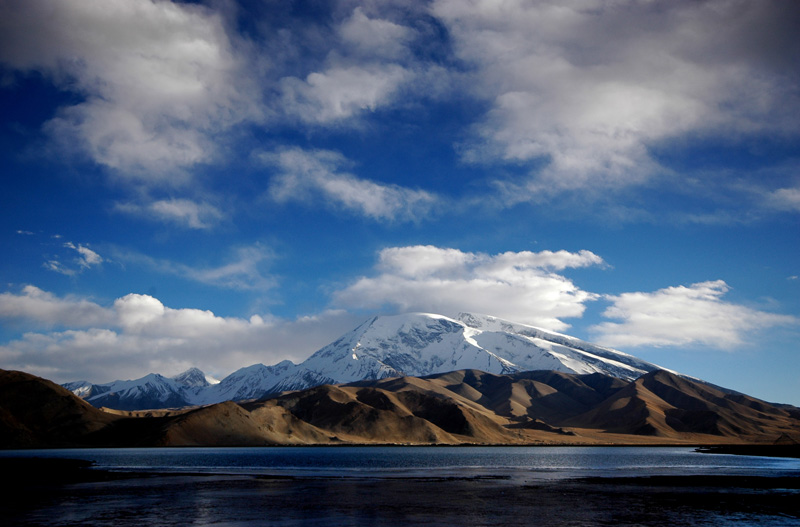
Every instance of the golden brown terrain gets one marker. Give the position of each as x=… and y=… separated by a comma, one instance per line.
x=462, y=407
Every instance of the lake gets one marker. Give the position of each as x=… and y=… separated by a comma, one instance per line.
x=345, y=485
x=390, y=461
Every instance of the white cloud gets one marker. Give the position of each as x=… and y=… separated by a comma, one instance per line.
x=137, y=335
x=681, y=316
x=583, y=90
x=341, y=92
x=85, y=260
x=57, y=267
x=785, y=199
x=46, y=309
x=243, y=271
x=159, y=79
x=364, y=65
x=375, y=36
x=516, y=286
x=317, y=176
x=422, y=261
x=588, y=88
x=136, y=311
x=179, y=211
x=243, y=268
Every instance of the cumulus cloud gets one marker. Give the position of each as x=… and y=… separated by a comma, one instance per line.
x=520, y=286
x=158, y=79
x=316, y=176
x=588, y=89
x=178, y=211
x=681, y=316
x=137, y=335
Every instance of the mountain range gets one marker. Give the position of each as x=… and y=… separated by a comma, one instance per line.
x=410, y=379
x=416, y=344
x=459, y=407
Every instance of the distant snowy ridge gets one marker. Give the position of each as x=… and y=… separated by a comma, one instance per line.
x=416, y=344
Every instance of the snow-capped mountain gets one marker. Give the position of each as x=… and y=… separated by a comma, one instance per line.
x=251, y=382
x=151, y=391
x=194, y=378
x=423, y=344
x=416, y=344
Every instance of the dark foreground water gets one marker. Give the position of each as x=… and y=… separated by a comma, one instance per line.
x=402, y=486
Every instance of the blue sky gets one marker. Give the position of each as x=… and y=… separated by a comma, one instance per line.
x=222, y=183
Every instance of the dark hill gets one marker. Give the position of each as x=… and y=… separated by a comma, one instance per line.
x=35, y=412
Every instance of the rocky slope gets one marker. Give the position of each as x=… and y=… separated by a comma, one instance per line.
x=460, y=407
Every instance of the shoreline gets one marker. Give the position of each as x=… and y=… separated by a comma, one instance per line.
x=61, y=471
x=788, y=451
x=743, y=449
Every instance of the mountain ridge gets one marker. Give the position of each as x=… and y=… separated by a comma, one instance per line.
x=414, y=344
x=459, y=407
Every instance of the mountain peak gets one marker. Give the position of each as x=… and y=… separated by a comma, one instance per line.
x=192, y=378
x=413, y=344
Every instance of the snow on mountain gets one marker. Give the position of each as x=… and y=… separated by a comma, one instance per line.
x=574, y=355
x=194, y=378
x=415, y=344
x=251, y=382
x=151, y=391
x=82, y=389
x=422, y=344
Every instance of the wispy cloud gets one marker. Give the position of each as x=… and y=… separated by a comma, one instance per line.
x=243, y=268
x=519, y=286
x=681, y=316
x=784, y=199
x=177, y=211
x=317, y=176
x=86, y=258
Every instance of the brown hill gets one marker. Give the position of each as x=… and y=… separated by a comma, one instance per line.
x=229, y=423
x=376, y=415
x=662, y=404
x=468, y=406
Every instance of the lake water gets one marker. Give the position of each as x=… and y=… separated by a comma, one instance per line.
x=401, y=486
x=384, y=462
